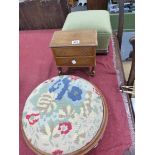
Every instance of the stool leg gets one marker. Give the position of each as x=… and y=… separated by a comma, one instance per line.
x=92, y=72
x=59, y=70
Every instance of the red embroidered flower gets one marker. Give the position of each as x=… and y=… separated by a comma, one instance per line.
x=57, y=152
x=74, y=77
x=65, y=127
x=32, y=118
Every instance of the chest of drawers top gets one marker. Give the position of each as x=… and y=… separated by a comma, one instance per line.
x=76, y=38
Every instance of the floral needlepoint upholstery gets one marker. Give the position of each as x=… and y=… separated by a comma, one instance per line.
x=62, y=115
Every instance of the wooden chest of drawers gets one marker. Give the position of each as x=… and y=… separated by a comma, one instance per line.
x=75, y=49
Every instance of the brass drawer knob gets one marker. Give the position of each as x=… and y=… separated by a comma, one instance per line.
x=73, y=61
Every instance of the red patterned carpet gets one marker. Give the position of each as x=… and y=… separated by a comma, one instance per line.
x=37, y=65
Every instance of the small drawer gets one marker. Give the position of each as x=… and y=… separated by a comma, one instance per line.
x=75, y=61
x=74, y=51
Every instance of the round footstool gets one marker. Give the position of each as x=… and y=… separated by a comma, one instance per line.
x=64, y=115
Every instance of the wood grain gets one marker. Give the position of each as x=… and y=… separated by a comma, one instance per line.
x=80, y=61
x=74, y=52
x=67, y=54
x=42, y=14
x=97, y=4
x=65, y=38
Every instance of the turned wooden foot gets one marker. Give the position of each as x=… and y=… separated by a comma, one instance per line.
x=92, y=72
x=59, y=71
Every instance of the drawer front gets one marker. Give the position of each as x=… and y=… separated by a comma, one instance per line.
x=75, y=61
x=74, y=51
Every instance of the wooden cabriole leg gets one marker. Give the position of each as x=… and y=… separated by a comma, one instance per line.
x=92, y=71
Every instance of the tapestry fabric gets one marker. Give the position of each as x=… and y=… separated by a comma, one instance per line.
x=62, y=114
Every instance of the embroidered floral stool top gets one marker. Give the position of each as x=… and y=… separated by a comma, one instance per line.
x=64, y=115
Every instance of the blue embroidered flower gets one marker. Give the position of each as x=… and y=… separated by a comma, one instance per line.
x=60, y=87
x=55, y=86
x=66, y=82
x=75, y=93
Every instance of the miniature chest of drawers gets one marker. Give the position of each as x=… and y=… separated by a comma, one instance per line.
x=75, y=49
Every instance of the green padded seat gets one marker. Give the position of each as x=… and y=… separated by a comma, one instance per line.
x=92, y=19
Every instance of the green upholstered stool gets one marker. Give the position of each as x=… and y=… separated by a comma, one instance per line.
x=92, y=19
